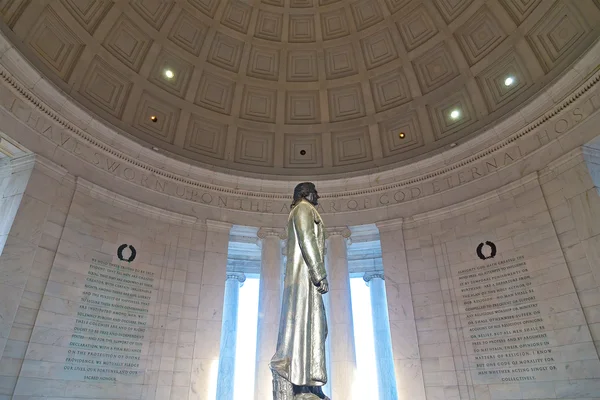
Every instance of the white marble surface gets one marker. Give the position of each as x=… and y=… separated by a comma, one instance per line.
x=229, y=329
x=548, y=218
x=553, y=221
x=184, y=320
x=269, y=307
x=384, y=357
x=341, y=327
x=439, y=245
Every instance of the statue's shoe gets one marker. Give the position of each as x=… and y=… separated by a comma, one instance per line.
x=318, y=390
x=310, y=393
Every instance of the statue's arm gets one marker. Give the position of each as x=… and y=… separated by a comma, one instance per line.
x=304, y=226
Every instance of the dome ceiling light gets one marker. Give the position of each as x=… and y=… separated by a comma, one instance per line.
x=169, y=74
x=509, y=81
x=402, y=135
x=302, y=152
x=153, y=118
x=455, y=114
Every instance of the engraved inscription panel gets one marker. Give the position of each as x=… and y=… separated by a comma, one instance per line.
x=108, y=337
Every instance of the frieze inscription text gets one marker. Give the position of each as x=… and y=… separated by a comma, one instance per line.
x=66, y=140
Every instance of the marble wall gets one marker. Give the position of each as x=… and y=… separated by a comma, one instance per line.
x=403, y=329
x=14, y=175
x=522, y=324
x=515, y=325
x=90, y=325
x=26, y=262
x=570, y=186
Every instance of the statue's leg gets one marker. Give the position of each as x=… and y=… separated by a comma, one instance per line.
x=282, y=388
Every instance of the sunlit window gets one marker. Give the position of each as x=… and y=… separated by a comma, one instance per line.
x=245, y=353
x=364, y=341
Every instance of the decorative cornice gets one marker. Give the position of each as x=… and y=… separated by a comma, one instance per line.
x=22, y=163
x=98, y=192
x=218, y=226
x=24, y=93
x=390, y=225
x=51, y=168
x=491, y=196
x=591, y=153
x=369, y=276
x=571, y=158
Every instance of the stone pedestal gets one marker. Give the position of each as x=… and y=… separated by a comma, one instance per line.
x=225, y=383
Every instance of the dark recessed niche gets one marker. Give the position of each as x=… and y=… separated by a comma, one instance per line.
x=302, y=152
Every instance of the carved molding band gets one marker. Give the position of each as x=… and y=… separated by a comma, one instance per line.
x=69, y=138
x=239, y=276
x=264, y=233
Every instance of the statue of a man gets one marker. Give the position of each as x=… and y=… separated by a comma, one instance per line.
x=298, y=365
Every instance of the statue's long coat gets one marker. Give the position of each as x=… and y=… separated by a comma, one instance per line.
x=300, y=355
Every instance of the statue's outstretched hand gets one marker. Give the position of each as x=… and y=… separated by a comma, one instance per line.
x=323, y=286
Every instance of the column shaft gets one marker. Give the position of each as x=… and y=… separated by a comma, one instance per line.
x=341, y=329
x=405, y=344
x=228, y=346
x=269, y=304
x=204, y=381
x=327, y=304
x=386, y=378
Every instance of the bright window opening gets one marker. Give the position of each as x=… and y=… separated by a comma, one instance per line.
x=366, y=385
x=245, y=353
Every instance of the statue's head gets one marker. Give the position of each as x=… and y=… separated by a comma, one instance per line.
x=307, y=191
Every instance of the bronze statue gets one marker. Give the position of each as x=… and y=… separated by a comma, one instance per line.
x=298, y=365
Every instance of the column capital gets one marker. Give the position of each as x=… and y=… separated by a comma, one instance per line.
x=218, y=226
x=265, y=232
x=239, y=276
x=342, y=231
x=368, y=276
x=390, y=224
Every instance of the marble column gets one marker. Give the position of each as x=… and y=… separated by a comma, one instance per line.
x=269, y=305
x=14, y=179
x=210, y=311
x=403, y=329
x=327, y=303
x=386, y=378
x=341, y=328
x=225, y=381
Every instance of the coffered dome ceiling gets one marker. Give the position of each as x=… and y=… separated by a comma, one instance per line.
x=301, y=87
